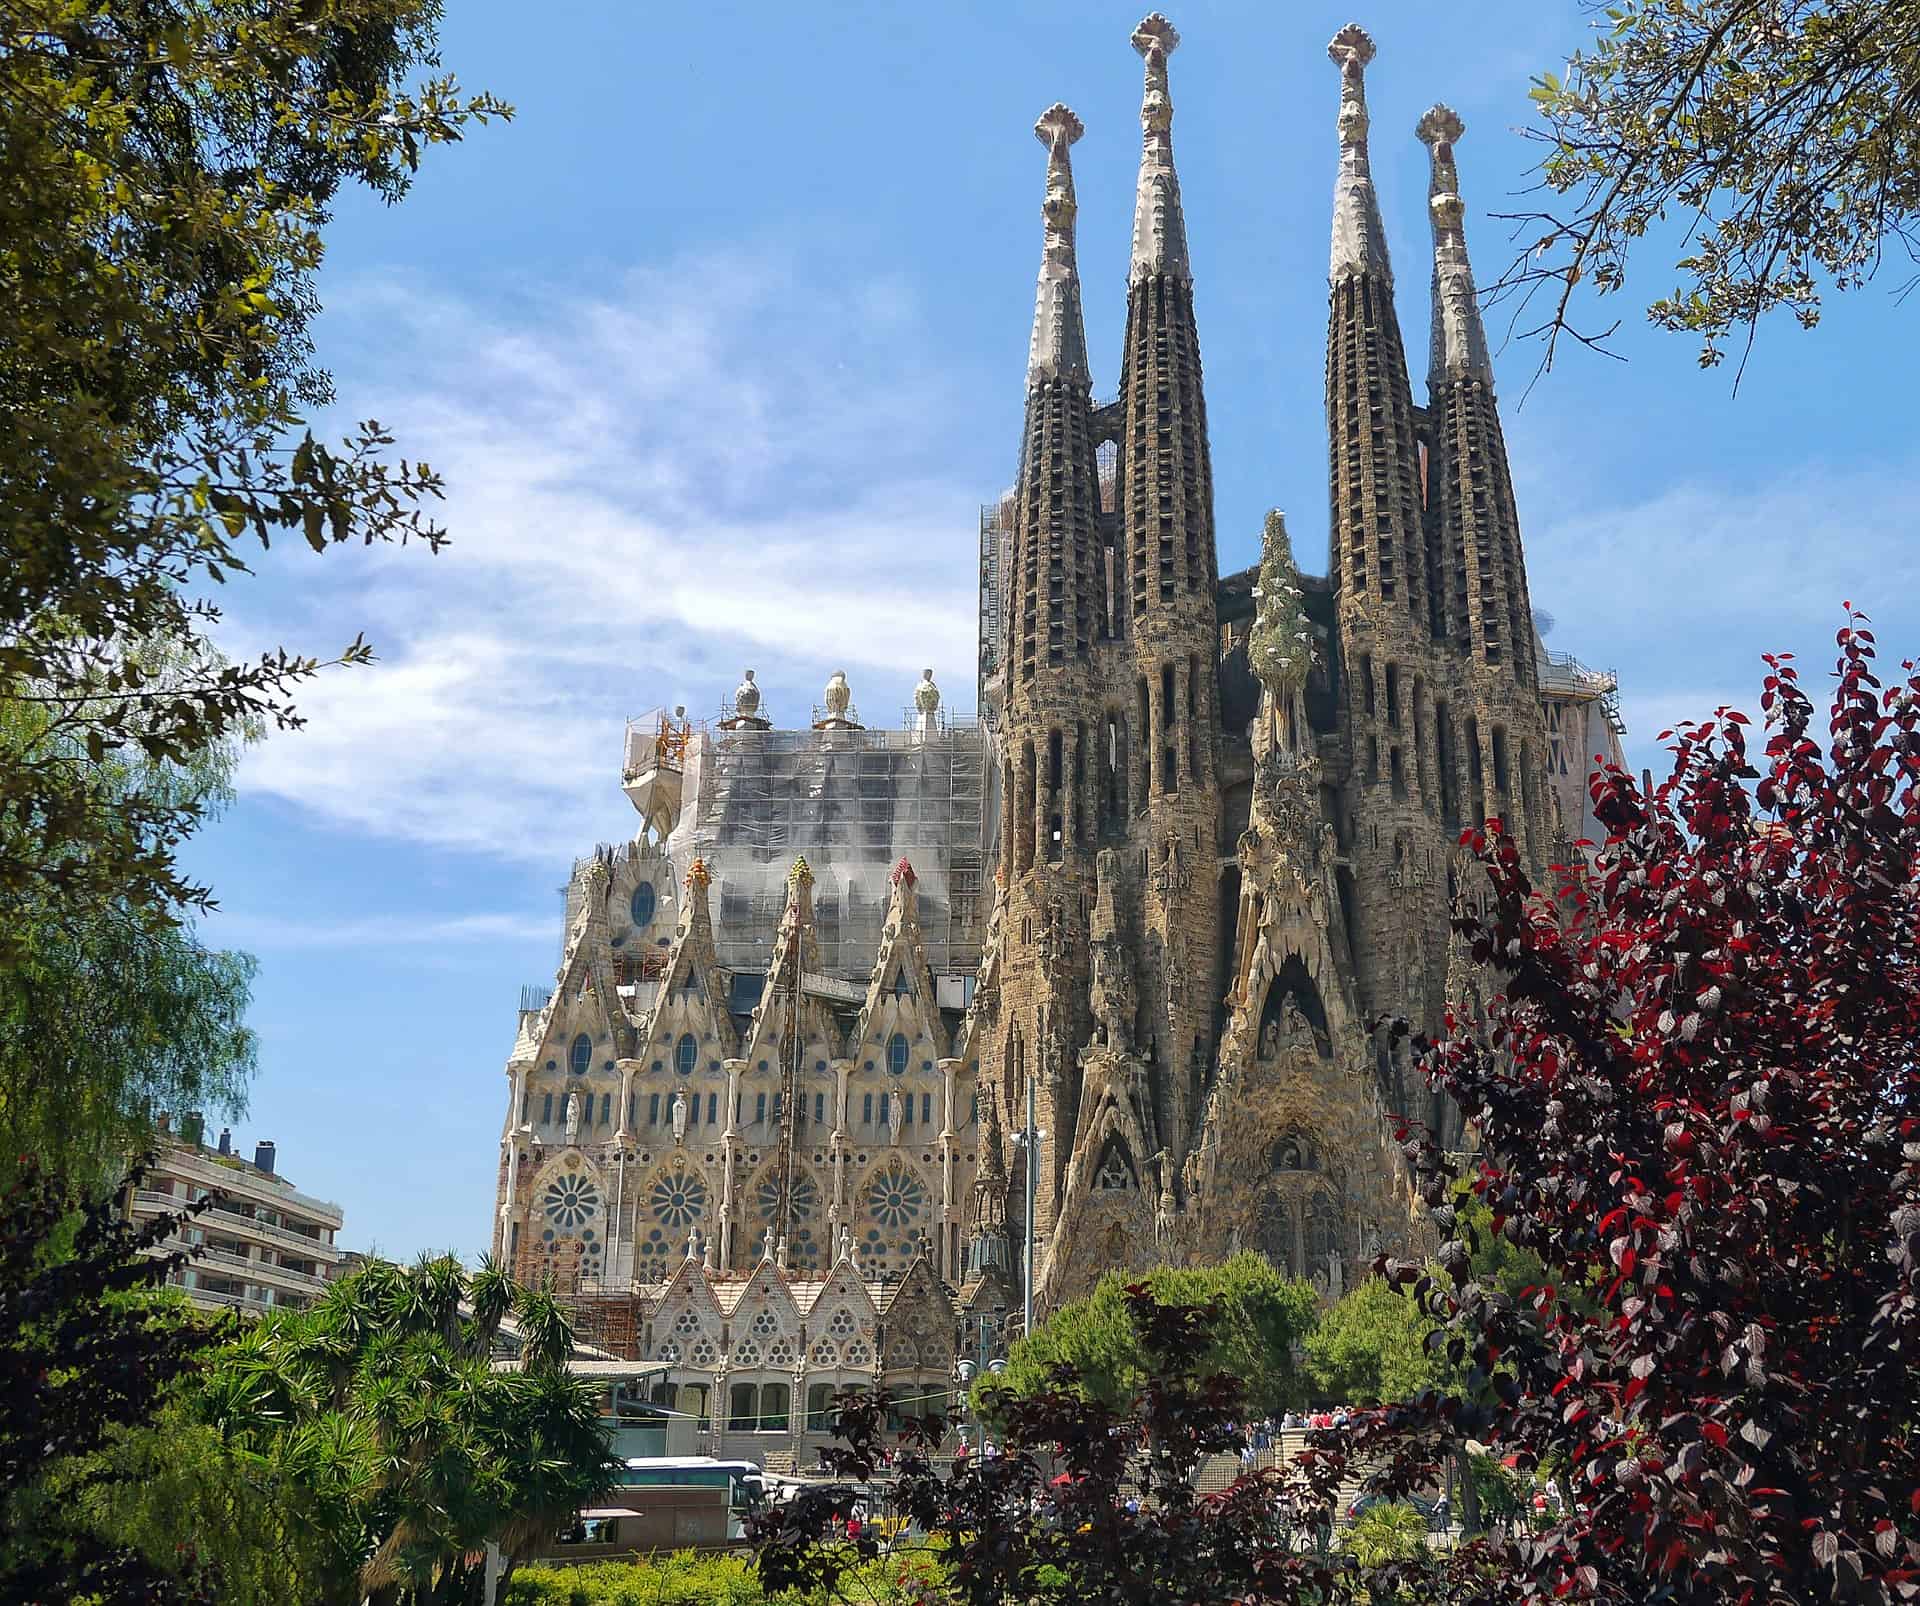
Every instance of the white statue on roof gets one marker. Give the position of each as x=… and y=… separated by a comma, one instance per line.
x=926, y=695
x=746, y=697
x=838, y=695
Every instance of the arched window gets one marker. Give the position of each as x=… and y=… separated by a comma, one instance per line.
x=581, y=1054
x=686, y=1054
x=643, y=904
x=773, y=1407
x=820, y=1408
x=741, y=1413
x=897, y=1054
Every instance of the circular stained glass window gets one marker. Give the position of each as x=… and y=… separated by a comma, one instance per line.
x=570, y=1201
x=896, y=1197
x=806, y=1197
x=678, y=1199
x=645, y=901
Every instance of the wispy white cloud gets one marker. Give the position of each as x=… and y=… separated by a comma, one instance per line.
x=271, y=934
x=703, y=468
x=1682, y=591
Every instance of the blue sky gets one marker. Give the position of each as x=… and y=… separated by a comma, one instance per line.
x=720, y=345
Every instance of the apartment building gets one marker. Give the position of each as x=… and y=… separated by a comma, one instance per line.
x=263, y=1244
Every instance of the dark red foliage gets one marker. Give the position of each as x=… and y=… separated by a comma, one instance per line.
x=1046, y=1520
x=1698, y=1103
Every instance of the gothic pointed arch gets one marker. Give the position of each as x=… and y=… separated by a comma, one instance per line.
x=567, y=1241
x=672, y=1202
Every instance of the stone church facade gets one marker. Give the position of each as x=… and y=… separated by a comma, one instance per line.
x=767, y=1125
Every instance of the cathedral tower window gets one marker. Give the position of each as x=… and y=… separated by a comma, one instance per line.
x=606, y=1109
x=580, y=1056
x=546, y=1110
x=1500, y=760
x=686, y=1054
x=1398, y=774
x=1393, y=695
x=897, y=1049
x=819, y=1108
x=759, y=1108
x=642, y=905
x=866, y=1108
x=653, y=1109
x=1366, y=682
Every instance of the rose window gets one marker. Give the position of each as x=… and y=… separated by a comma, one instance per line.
x=704, y=1352
x=764, y=1325
x=678, y=1199
x=896, y=1197
x=826, y=1353
x=905, y=1355
x=859, y=1353
x=746, y=1353
x=781, y=1354
x=571, y=1200
x=687, y=1323
x=806, y=1197
x=668, y=1352
x=842, y=1324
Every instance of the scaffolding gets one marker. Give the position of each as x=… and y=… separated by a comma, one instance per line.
x=853, y=802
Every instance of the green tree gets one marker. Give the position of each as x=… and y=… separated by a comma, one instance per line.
x=166, y=173
x=84, y=1351
x=1778, y=138
x=374, y=1443
x=1387, y=1532
x=1261, y=1316
x=107, y=1019
x=1370, y=1346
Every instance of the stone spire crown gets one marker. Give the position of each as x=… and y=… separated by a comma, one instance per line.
x=1359, y=238
x=1159, y=225
x=1059, y=348
x=1459, y=337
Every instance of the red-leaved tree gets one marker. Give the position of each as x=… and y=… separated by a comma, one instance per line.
x=1697, y=1102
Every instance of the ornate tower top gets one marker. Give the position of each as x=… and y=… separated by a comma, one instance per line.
x=1459, y=337
x=1059, y=345
x=1359, y=240
x=1159, y=226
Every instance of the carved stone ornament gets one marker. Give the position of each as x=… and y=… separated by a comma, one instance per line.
x=679, y=1118
x=837, y=695
x=926, y=695
x=573, y=1117
x=746, y=697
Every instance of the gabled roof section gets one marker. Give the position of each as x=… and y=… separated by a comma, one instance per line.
x=902, y=982
x=584, y=996
x=794, y=947
x=691, y=967
x=692, y=1285
x=917, y=1281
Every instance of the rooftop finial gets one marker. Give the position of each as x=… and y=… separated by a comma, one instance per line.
x=1159, y=226
x=1459, y=336
x=1059, y=345
x=1359, y=240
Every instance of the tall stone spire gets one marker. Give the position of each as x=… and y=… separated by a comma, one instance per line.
x=1379, y=557
x=1059, y=330
x=1159, y=226
x=1459, y=337
x=1359, y=240
x=1480, y=569
x=1169, y=574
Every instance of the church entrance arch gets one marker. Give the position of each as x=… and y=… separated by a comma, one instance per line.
x=1293, y=1014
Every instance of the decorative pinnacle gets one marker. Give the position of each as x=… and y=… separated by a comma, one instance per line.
x=1059, y=345
x=1459, y=338
x=801, y=875
x=903, y=874
x=699, y=878
x=1159, y=226
x=1359, y=239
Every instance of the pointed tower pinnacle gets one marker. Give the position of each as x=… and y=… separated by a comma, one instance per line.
x=1459, y=337
x=1159, y=226
x=1059, y=331
x=1359, y=240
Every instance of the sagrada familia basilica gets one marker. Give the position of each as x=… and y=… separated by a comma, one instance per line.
x=771, y=1125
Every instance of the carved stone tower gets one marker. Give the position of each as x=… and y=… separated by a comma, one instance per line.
x=1391, y=685
x=1057, y=609
x=1475, y=532
x=1168, y=575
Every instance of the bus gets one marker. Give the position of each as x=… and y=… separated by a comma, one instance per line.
x=682, y=1501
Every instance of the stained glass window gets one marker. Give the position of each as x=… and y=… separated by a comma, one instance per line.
x=581, y=1054
x=897, y=1054
x=686, y=1054
x=643, y=904
x=570, y=1201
